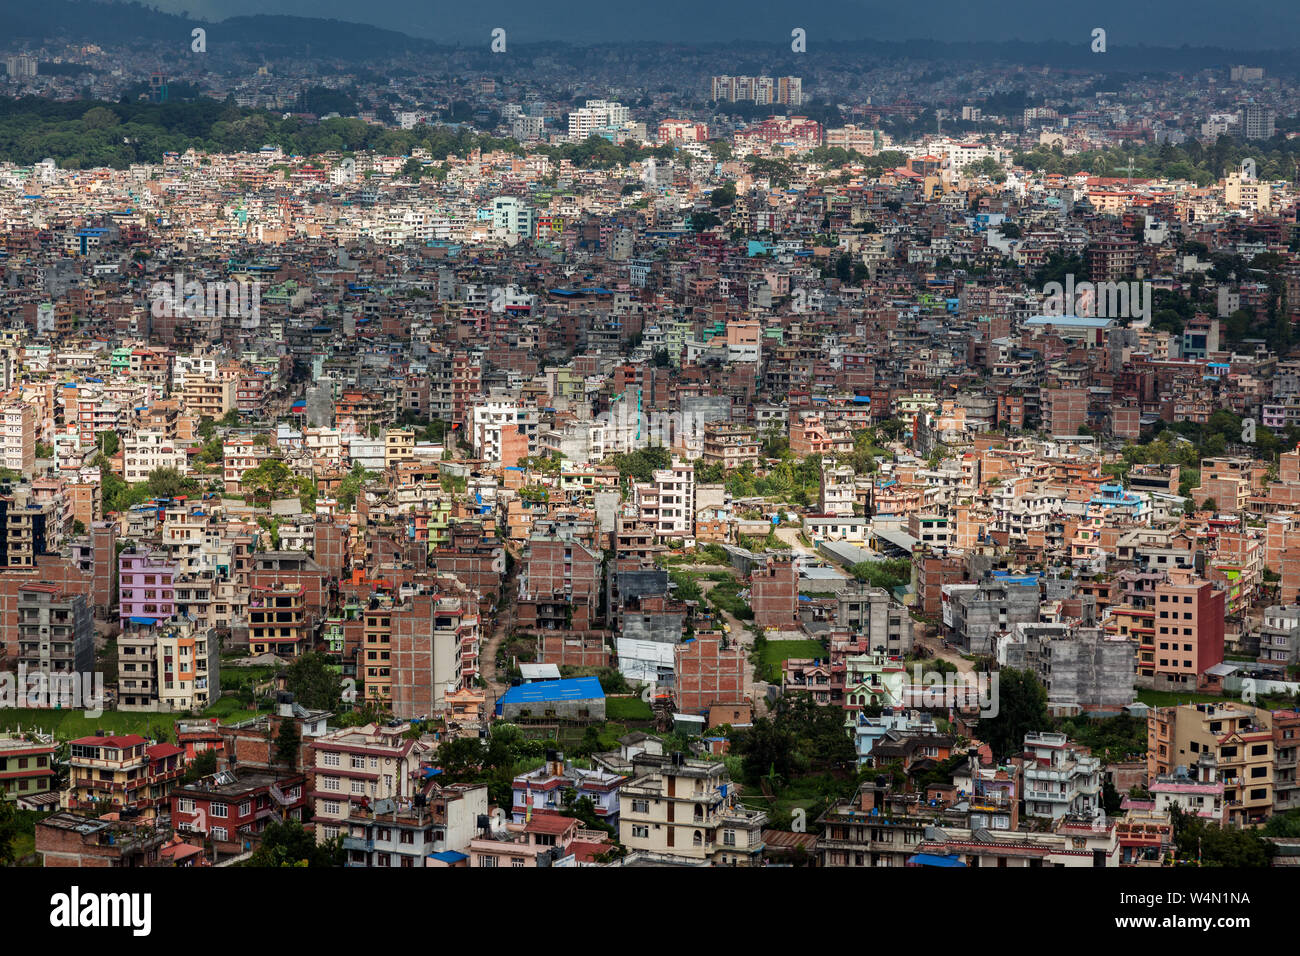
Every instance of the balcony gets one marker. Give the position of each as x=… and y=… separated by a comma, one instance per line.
x=358, y=843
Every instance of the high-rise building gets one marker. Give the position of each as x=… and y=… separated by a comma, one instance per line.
x=1257, y=122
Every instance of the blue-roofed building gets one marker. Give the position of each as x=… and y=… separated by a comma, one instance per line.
x=573, y=697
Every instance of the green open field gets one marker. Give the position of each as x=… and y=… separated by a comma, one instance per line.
x=628, y=709
x=775, y=653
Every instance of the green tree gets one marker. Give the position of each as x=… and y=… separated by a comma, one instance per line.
x=1022, y=709
x=313, y=683
x=9, y=830
x=287, y=744
x=203, y=765
x=286, y=843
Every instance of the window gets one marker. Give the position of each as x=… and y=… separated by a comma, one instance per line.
x=244, y=808
x=487, y=861
x=185, y=805
x=330, y=807
x=728, y=837
x=640, y=806
x=329, y=760
x=218, y=810
x=219, y=833
x=640, y=832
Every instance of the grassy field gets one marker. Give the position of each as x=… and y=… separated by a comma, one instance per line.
x=627, y=709
x=775, y=653
x=1164, y=698
x=70, y=724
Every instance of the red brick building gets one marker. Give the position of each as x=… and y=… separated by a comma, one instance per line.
x=706, y=674
x=774, y=594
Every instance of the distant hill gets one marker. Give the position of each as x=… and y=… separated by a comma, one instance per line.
x=534, y=28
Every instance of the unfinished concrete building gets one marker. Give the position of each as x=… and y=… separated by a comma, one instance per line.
x=871, y=614
x=1083, y=670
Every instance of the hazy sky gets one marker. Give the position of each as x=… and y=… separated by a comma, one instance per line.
x=1244, y=24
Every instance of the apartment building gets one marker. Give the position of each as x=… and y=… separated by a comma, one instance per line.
x=211, y=396
x=188, y=667
x=18, y=438
x=677, y=806
x=837, y=490
x=146, y=586
x=876, y=619
x=1189, y=630
x=146, y=450
x=667, y=502
x=232, y=807
x=26, y=764
x=27, y=529
x=437, y=823
x=1058, y=780
x=1240, y=738
x=559, y=584
x=125, y=770
x=278, y=622
x=55, y=631
x=356, y=767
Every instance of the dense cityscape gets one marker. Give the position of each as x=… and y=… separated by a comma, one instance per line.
x=649, y=455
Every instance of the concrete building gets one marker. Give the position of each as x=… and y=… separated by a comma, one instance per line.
x=1059, y=780
x=356, y=767
x=975, y=616
x=876, y=618
x=676, y=806
x=837, y=489
x=55, y=632
x=1082, y=669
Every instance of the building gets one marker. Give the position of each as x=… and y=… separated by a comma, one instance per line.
x=18, y=438
x=55, y=632
x=277, y=621
x=1257, y=122
x=146, y=587
x=706, y=671
x=393, y=834
x=26, y=764
x=1059, y=780
x=573, y=698
x=546, y=789
x=774, y=594
x=1240, y=739
x=231, y=808
x=356, y=767
x=73, y=840
x=681, y=807
x=124, y=771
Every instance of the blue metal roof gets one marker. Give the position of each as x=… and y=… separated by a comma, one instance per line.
x=932, y=859
x=448, y=856
x=572, y=688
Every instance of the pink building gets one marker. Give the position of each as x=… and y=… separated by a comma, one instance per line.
x=145, y=586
